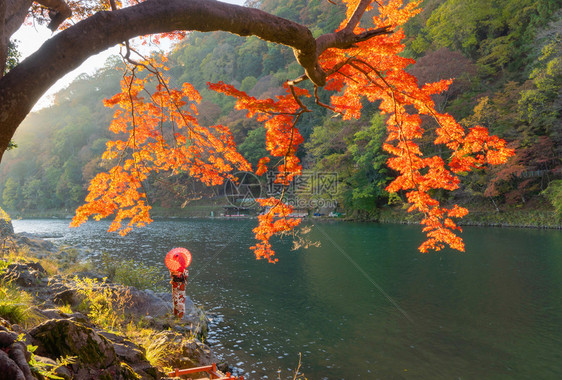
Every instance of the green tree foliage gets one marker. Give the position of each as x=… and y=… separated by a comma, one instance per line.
x=498, y=33
x=13, y=56
x=32, y=192
x=368, y=179
x=505, y=57
x=253, y=147
x=11, y=61
x=528, y=114
x=541, y=105
x=354, y=152
x=554, y=195
x=11, y=196
x=59, y=146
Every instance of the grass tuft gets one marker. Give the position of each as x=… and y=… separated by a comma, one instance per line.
x=15, y=304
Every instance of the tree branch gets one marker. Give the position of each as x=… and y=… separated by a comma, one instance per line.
x=60, y=12
x=25, y=84
x=12, y=15
x=345, y=38
x=357, y=15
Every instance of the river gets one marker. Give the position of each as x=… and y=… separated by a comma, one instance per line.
x=365, y=304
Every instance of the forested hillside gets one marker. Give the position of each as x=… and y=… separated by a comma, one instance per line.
x=505, y=56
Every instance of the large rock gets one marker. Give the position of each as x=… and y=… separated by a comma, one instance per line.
x=9, y=370
x=194, y=319
x=135, y=356
x=56, y=338
x=95, y=355
x=24, y=274
x=36, y=246
x=14, y=357
x=145, y=302
x=189, y=352
x=6, y=228
x=58, y=314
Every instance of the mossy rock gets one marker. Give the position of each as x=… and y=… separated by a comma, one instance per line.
x=59, y=338
x=96, y=355
x=6, y=228
x=129, y=373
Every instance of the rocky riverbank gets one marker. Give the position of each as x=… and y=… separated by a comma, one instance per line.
x=82, y=326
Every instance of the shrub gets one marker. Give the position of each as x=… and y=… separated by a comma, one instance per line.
x=554, y=194
x=132, y=273
x=15, y=304
x=104, y=306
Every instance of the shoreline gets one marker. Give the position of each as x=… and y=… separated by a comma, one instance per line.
x=539, y=218
x=58, y=301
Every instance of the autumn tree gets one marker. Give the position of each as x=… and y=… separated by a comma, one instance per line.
x=157, y=124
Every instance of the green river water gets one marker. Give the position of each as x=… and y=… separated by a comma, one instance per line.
x=365, y=304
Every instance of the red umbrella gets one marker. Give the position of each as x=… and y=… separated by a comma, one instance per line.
x=178, y=259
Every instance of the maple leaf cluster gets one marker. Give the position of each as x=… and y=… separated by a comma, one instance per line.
x=283, y=138
x=274, y=221
x=162, y=134
x=374, y=70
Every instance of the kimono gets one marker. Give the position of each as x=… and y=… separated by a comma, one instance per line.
x=178, y=292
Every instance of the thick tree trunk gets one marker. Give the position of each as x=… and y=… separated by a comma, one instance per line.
x=25, y=84
x=12, y=15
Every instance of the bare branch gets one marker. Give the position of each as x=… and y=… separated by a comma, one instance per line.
x=317, y=100
x=298, y=100
x=356, y=16
x=296, y=81
x=113, y=5
x=345, y=40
